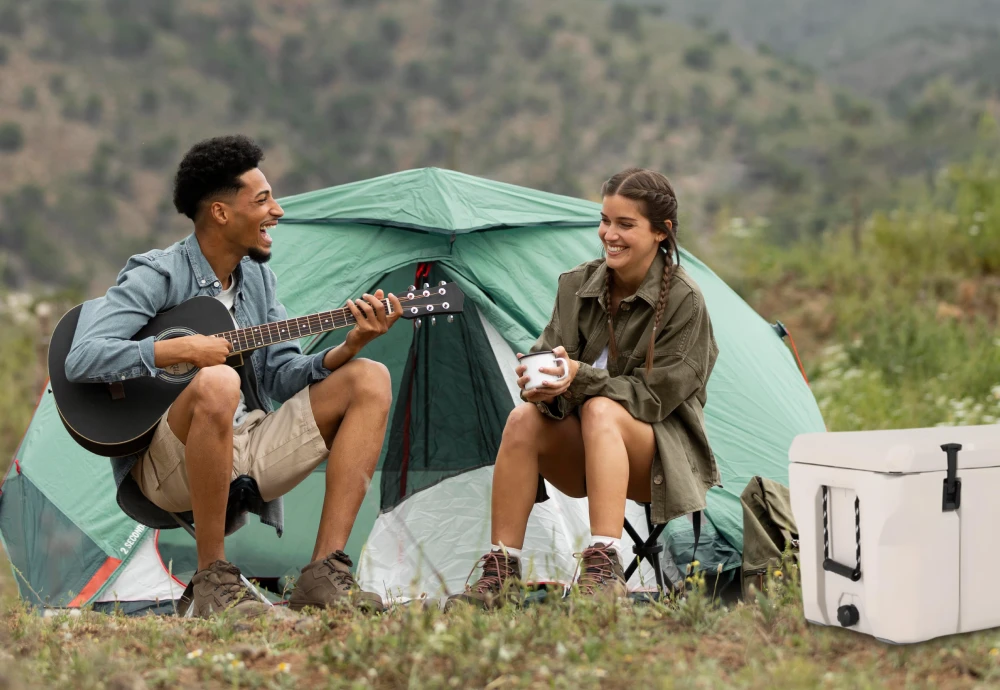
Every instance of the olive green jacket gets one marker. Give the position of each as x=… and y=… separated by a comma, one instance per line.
x=671, y=397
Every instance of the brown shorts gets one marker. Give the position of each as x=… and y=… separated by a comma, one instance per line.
x=278, y=449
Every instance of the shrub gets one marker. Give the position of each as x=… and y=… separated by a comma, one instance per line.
x=11, y=137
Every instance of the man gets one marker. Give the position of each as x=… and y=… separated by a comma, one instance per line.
x=335, y=406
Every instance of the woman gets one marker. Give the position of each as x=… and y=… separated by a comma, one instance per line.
x=627, y=422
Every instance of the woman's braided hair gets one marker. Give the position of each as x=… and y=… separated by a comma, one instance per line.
x=658, y=203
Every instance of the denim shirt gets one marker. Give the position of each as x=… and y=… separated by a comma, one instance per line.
x=159, y=280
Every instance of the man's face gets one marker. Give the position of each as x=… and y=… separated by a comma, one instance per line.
x=254, y=212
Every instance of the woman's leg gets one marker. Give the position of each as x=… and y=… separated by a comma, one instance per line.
x=619, y=452
x=533, y=444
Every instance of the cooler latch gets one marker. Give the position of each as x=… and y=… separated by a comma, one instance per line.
x=952, y=497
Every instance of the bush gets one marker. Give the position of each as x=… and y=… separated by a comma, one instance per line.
x=29, y=98
x=130, y=39
x=157, y=154
x=11, y=137
x=625, y=19
x=11, y=22
x=743, y=80
x=699, y=58
x=369, y=60
x=149, y=101
x=534, y=42
x=391, y=30
x=94, y=109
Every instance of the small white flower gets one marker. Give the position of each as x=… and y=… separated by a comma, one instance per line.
x=284, y=667
x=506, y=653
x=194, y=654
x=440, y=627
x=561, y=649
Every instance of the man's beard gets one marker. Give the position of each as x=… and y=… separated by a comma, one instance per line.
x=258, y=255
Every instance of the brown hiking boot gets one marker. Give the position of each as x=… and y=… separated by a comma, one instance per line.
x=329, y=583
x=500, y=583
x=219, y=588
x=602, y=574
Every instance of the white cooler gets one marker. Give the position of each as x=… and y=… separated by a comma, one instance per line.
x=899, y=538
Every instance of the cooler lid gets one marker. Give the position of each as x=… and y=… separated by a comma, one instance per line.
x=903, y=451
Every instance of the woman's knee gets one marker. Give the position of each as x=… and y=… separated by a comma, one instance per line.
x=600, y=414
x=524, y=424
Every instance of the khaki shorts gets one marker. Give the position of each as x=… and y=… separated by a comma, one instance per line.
x=278, y=449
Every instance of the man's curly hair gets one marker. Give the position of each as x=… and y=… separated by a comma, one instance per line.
x=213, y=167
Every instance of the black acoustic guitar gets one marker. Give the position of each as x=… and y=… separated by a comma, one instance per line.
x=120, y=418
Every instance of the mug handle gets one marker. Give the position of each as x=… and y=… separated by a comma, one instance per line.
x=565, y=365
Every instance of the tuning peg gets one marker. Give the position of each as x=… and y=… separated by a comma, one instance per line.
x=417, y=322
x=434, y=320
x=411, y=288
x=426, y=285
x=451, y=318
x=443, y=283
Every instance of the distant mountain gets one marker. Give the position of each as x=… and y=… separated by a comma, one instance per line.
x=100, y=98
x=823, y=33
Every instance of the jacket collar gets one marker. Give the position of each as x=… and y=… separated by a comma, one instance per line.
x=649, y=289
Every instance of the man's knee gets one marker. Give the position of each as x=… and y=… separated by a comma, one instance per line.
x=371, y=383
x=216, y=392
x=600, y=414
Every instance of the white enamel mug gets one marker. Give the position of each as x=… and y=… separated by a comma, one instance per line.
x=543, y=360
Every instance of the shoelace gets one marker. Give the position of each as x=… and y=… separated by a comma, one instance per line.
x=598, y=566
x=496, y=569
x=345, y=578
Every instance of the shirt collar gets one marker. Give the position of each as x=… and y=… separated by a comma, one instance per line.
x=203, y=273
x=649, y=289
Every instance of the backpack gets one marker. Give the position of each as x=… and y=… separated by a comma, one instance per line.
x=768, y=530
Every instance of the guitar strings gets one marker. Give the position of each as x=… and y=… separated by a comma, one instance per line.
x=277, y=331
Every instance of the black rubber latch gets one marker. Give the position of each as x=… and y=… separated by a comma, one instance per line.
x=848, y=615
x=952, y=496
x=779, y=329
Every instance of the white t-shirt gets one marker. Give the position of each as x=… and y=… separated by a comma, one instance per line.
x=228, y=298
x=602, y=359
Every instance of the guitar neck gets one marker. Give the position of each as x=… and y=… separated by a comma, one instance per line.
x=255, y=337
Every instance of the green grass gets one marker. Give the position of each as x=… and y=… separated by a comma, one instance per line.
x=693, y=643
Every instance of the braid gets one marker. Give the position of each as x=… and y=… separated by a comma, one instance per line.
x=612, y=346
x=656, y=195
x=661, y=301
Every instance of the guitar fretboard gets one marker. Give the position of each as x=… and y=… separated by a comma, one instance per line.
x=247, y=339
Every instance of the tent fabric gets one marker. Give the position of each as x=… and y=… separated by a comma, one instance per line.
x=435, y=201
x=505, y=247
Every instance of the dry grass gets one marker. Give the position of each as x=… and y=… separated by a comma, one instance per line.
x=689, y=643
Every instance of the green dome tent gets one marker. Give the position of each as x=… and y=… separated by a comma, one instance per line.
x=426, y=517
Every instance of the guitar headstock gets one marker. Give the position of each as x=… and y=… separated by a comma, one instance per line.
x=432, y=301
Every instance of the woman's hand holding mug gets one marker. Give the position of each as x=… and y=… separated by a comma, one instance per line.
x=544, y=376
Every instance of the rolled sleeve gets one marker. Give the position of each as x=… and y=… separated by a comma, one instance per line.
x=102, y=350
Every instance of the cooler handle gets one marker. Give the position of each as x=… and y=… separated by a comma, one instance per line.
x=830, y=565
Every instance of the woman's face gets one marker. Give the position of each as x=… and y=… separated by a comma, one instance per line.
x=628, y=237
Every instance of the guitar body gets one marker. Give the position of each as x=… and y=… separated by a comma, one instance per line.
x=120, y=419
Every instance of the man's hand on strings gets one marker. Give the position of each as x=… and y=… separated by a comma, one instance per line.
x=372, y=321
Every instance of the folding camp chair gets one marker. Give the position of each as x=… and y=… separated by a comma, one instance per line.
x=649, y=549
x=242, y=490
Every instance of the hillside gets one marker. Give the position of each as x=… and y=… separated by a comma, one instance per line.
x=823, y=33
x=98, y=100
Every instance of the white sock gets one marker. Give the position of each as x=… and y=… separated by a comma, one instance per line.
x=616, y=544
x=516, y=553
